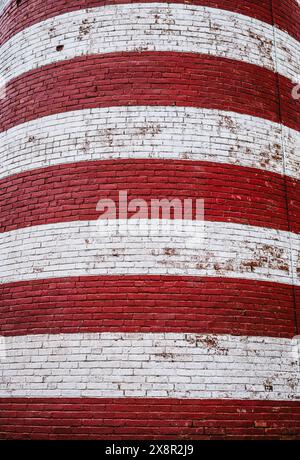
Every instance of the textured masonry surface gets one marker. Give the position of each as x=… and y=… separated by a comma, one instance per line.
x=150, y=132
x=154, y=328
x=155, y=247
x=150, y=365
x=150, y=27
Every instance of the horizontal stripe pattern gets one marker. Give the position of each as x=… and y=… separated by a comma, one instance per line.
x=147, y=132
x=151, y=365
x=284, y=14
x=116, y=335
x=150, y=418
x=148, y=304
x=71, y=192
x=153, y=247
x=148, y=78
x=151, y=27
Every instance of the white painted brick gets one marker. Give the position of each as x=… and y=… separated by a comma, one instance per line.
x=152, y=27
x=3, y=4
x=150, y=132
x=287, y=55
x=201, y=249
x=222, y=375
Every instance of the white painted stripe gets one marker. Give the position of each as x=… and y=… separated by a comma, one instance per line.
x=158, y=247
x=149, y=132
x=151, y=27
x=295, y=257
x=3, y=4
x=150, y=365
x=287, y=55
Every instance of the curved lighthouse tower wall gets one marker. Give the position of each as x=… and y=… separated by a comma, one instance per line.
x=181, y=329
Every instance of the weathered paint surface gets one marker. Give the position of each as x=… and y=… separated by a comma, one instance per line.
x=191, y=324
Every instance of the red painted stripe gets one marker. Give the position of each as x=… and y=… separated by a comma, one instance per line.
x=147, y=304
x=14, y=18
x=71, y=192
x=287, y=16
x=293, y=194
x=290, y=108
x=183, y=419
x=149, y=78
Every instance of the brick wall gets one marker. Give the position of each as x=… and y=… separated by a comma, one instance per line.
x=142, y=335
